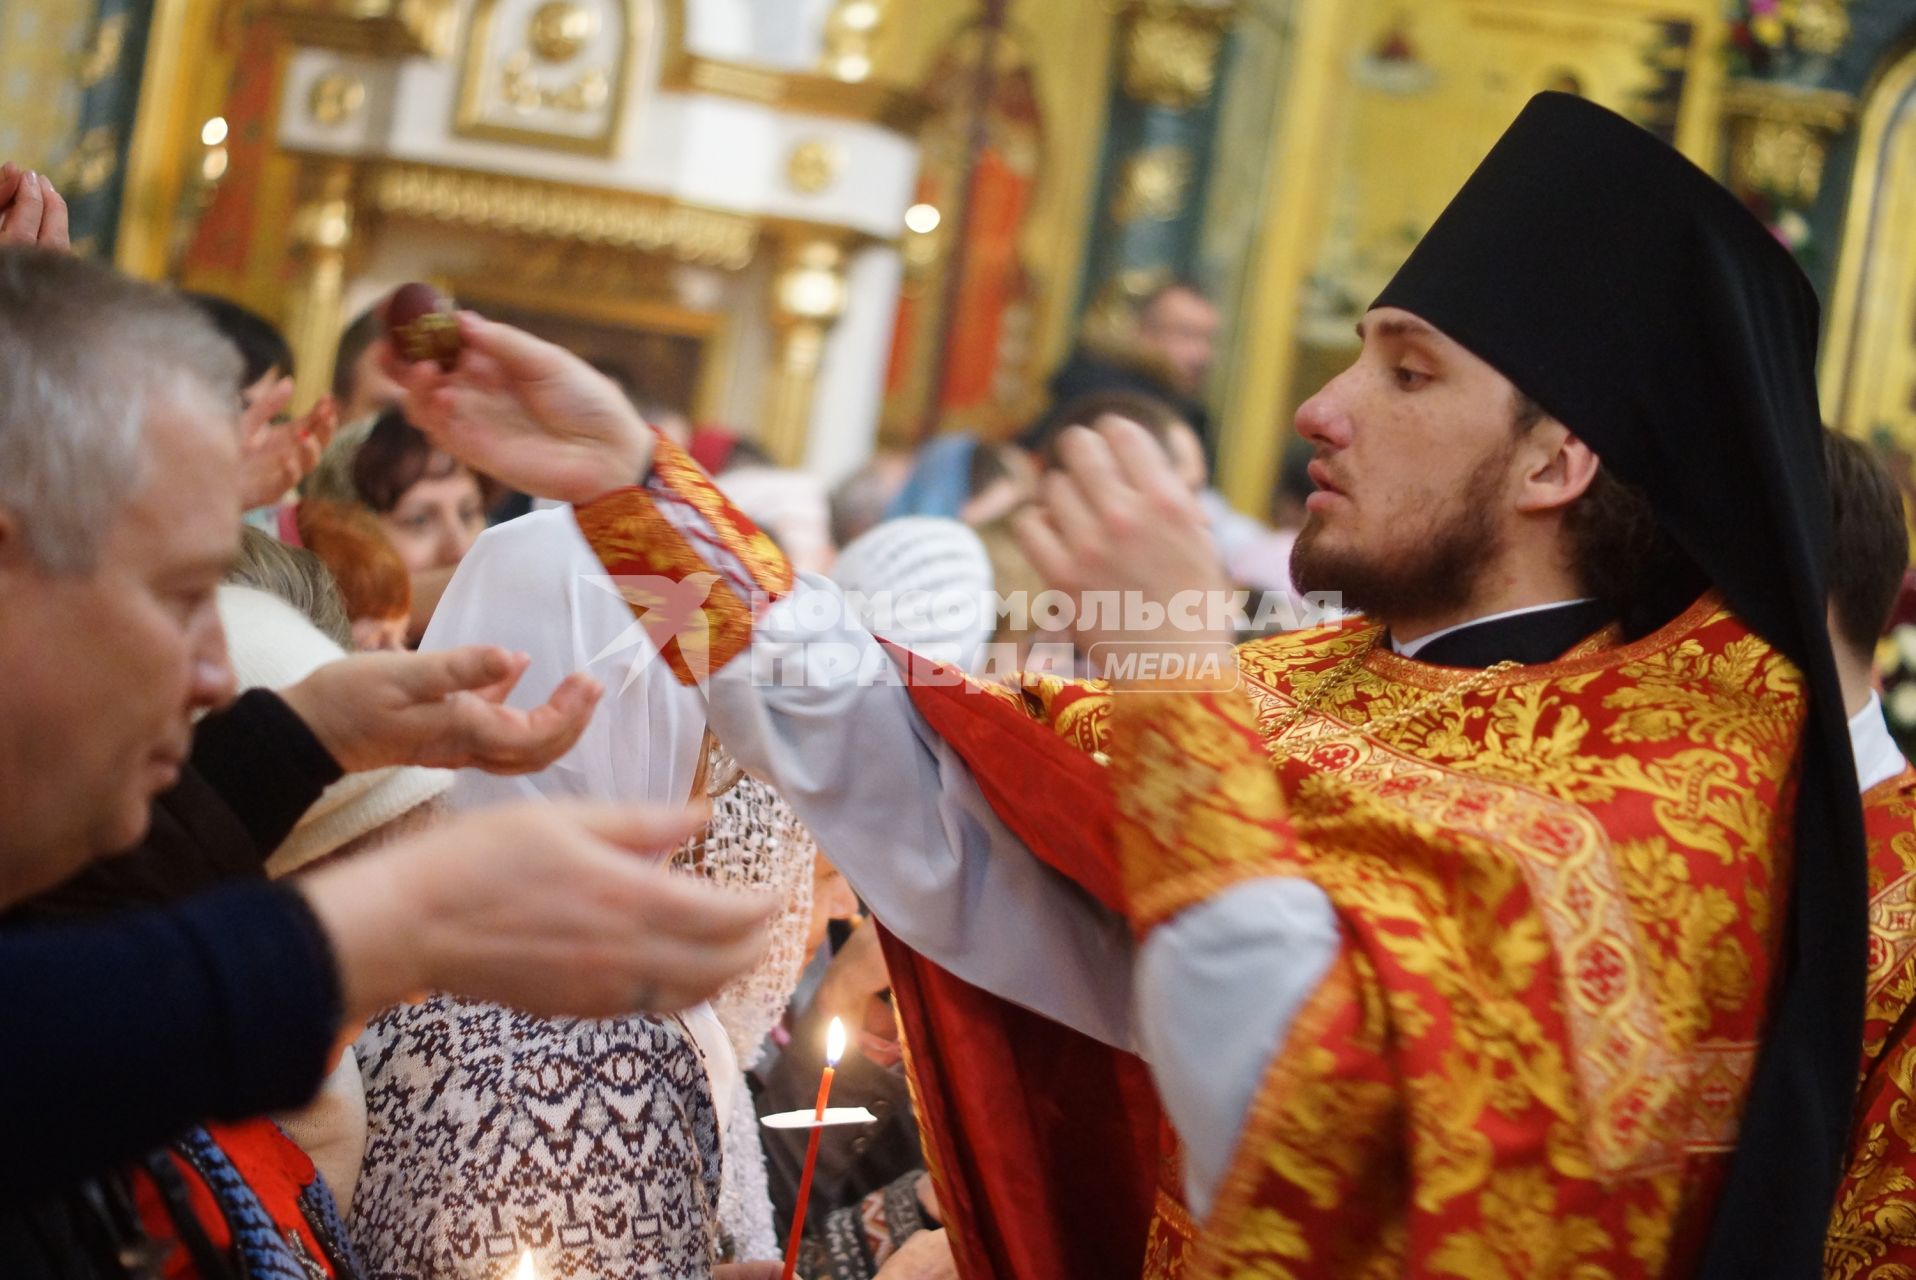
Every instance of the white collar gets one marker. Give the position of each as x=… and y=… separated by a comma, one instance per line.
x=1878, y=759
x=1411, y=649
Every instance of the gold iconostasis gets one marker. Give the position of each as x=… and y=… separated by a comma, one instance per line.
x=909, y=211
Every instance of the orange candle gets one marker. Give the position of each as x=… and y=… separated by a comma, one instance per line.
x=834, y=1050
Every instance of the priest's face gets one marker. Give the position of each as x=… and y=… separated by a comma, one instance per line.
x=1415, y=473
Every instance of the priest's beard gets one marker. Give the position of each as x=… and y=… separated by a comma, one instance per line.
x=1432, y=569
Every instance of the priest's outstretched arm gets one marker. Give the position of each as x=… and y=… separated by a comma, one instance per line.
x=888, y=800
x=803, y=695
x=798, y=690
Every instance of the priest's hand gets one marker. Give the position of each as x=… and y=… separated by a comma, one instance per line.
x=31, y=211
x=442, y=709
x=526, y=412
x=1114, y=521
x=552, y=907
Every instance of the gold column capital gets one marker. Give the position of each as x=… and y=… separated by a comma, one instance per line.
x=1780, y=135
x=321, y=232
x=384, y=28
x=809, y=294
x=810, y=285
x=1171, y=50
x=851, y=37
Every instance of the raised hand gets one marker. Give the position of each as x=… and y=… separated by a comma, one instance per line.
x=526, y=412
x=274, y=455
x=443, y=709
x=1115, y=518
x=31, y=211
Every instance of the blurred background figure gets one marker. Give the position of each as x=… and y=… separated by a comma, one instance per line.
x=428, y=507
x=276, y=451
x=786, y=503
x=431, y=506
x=1165, y=352
x=359, y=386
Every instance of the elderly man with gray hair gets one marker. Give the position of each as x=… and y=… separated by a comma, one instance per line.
x=119, y=514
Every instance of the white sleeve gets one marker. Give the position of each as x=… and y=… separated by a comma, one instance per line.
x=815, y=707
x=1218, y=988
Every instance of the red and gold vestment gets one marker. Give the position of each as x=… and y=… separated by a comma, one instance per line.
x=1555, y=886
x=1873, y=1229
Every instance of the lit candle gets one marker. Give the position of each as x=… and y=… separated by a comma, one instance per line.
x=834, y=1050
x=525, y=1270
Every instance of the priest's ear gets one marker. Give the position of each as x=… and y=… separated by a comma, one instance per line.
x=1556, y=468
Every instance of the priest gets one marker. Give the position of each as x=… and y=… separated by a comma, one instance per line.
x=1515, y=927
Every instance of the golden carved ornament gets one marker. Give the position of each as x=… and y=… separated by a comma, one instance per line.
x=559, y=29
x=102, y=53
x=92, y=163
x=1784, y=158
x=815, y=165
x=1780, y=136
x=386, y=28
x=1153, y=184
x=1171, y=54
x=851, y=35
x=572, y=271
x=809, y=294
x=797, y=92
x=335, y=98
x=582, y=95
x=523, y=206
x=1820, y=27
x=324, y=224
x=518, y=87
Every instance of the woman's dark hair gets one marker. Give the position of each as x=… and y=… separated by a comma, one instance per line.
x=261, y=345
x=396, y=456
x=1153, y=413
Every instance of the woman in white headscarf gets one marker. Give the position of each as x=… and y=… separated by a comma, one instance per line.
x=601, y=1139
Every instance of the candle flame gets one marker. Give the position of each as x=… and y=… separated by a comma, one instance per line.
x=525, y=1270
x=835, y=1042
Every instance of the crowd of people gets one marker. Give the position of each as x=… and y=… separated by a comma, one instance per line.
x=328, y=1033
x=440, y=824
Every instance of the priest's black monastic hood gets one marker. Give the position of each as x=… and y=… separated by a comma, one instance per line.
x=1639, y=303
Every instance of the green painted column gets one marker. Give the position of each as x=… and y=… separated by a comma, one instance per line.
x=93, y=174
x=1172, y=58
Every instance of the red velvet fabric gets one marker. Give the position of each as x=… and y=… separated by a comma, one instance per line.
x=1044, y=1143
